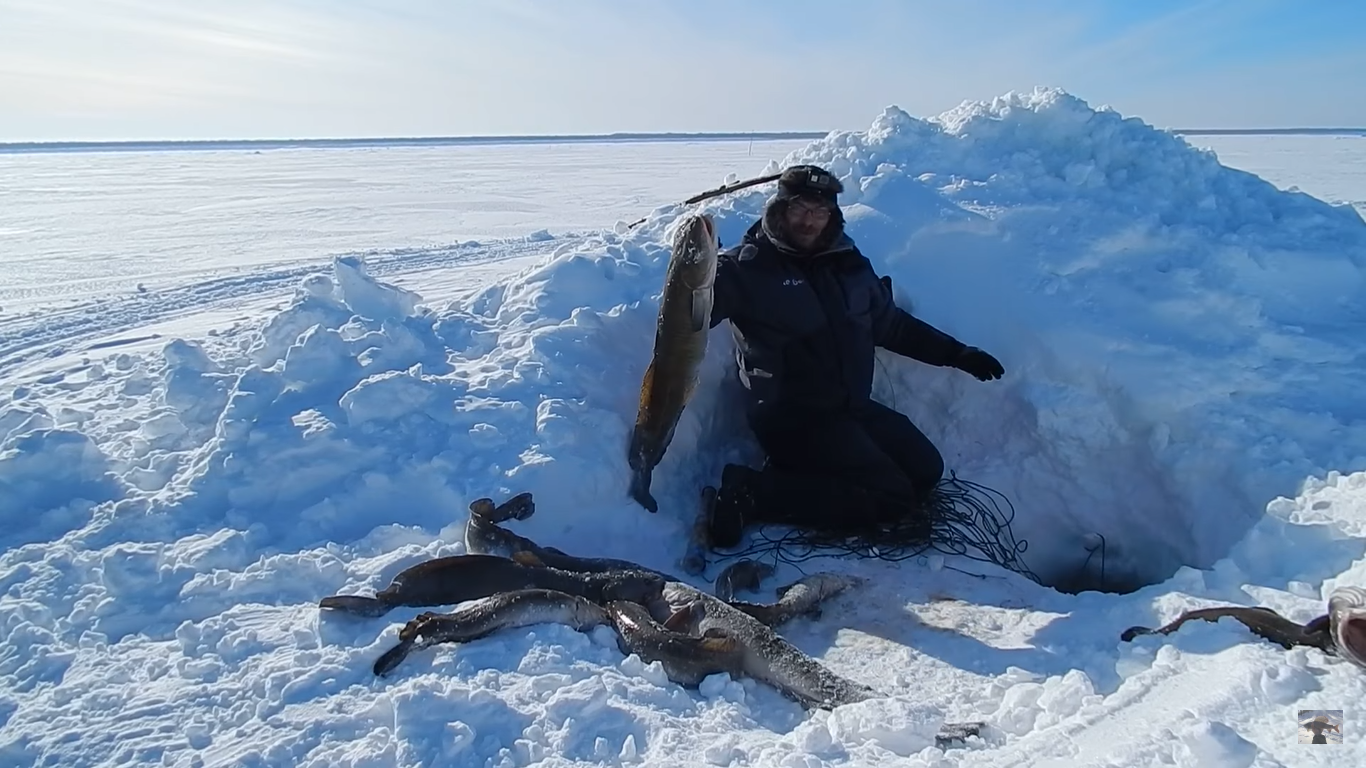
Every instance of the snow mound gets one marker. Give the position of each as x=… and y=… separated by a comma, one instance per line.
x=50, y=478
x=1179, y=336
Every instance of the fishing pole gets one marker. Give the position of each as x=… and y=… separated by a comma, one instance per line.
x=721, y=190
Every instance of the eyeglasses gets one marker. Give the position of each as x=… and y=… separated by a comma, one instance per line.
x=805, y=210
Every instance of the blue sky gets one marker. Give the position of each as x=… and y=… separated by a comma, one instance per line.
x=194, y=69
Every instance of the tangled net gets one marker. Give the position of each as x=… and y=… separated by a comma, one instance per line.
x=960, y=516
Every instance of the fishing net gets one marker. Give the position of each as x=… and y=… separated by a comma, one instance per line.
x=961, y=518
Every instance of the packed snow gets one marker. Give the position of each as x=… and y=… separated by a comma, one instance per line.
x=1182, y=349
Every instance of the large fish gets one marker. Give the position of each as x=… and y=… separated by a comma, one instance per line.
x=458, y=578
x=483, y=617
x=680, y=344
x=1341, y=632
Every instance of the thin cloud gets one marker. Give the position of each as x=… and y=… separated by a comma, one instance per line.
x=254, y=68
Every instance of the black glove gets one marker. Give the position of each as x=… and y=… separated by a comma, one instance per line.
x=978, y=363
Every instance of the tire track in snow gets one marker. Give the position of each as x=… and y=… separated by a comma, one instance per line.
x=55, y=332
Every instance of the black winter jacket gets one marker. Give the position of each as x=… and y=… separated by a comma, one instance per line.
x=806, y=326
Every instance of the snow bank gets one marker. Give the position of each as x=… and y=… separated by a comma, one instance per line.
x=1172, y=368
x=1180, y=337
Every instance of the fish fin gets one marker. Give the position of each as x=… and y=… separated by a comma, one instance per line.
x=640, y=488
x=646, y=384
x=357, y=604
x=519, y=507
x=482, y=507
x=1132, y=632
x=679, y=618
x=527, y=557
x=701, y=308
x=1321, y=624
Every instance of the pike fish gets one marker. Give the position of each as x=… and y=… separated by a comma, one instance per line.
x=487, y=615
x=1262, y=621
x=1341, y=632
x=680, y=344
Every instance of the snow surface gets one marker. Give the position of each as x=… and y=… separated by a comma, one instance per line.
x=1181, y=342
x=77, y=225
x=1336, y=164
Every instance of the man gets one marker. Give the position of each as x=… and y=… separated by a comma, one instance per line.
x=807, y=311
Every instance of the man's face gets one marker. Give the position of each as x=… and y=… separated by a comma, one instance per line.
x=805, y=220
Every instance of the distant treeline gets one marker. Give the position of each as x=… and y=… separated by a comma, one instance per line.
x=436, y=141
x=396, y=141
x=1271, y=131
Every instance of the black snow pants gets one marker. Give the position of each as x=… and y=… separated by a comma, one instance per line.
x=834, y=470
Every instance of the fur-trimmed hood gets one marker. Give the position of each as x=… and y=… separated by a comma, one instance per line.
x=832, y=240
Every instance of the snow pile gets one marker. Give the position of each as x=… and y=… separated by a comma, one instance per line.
x=50, y=479
x=1179, y=336
x=158, y=602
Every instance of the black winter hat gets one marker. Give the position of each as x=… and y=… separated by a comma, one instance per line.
x=810, y=181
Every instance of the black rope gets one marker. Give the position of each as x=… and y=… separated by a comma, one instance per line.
x=959, y=517
x=1091, y=551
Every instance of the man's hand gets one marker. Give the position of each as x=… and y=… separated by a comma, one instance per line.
x=979, y=364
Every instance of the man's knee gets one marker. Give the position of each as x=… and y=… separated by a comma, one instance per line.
x=912, y=450
x=933, y=461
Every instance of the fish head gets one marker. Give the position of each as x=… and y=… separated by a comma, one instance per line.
x=818, y=586
x=753, y=570
x=828, y=583
x=695, y=249
x=1347, y=620
x=627, y=613
x=638, y=587
x=585, y=611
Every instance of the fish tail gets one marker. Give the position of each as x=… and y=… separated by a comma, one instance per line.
x=392, y=657
x=1132, y=632
x=640, y=488
x=357, y=604
x=694, y=560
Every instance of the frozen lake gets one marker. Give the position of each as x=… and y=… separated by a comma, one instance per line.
x=79, y=225
x=74, y=225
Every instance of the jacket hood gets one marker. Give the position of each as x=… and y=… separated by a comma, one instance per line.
x=833, y=240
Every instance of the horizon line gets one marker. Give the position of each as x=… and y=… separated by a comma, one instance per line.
x=493, y=139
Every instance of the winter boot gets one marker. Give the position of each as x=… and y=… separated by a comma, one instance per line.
x=734, y=507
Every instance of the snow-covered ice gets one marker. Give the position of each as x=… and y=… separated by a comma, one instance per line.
x=1182, y=345
x=78, y=225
